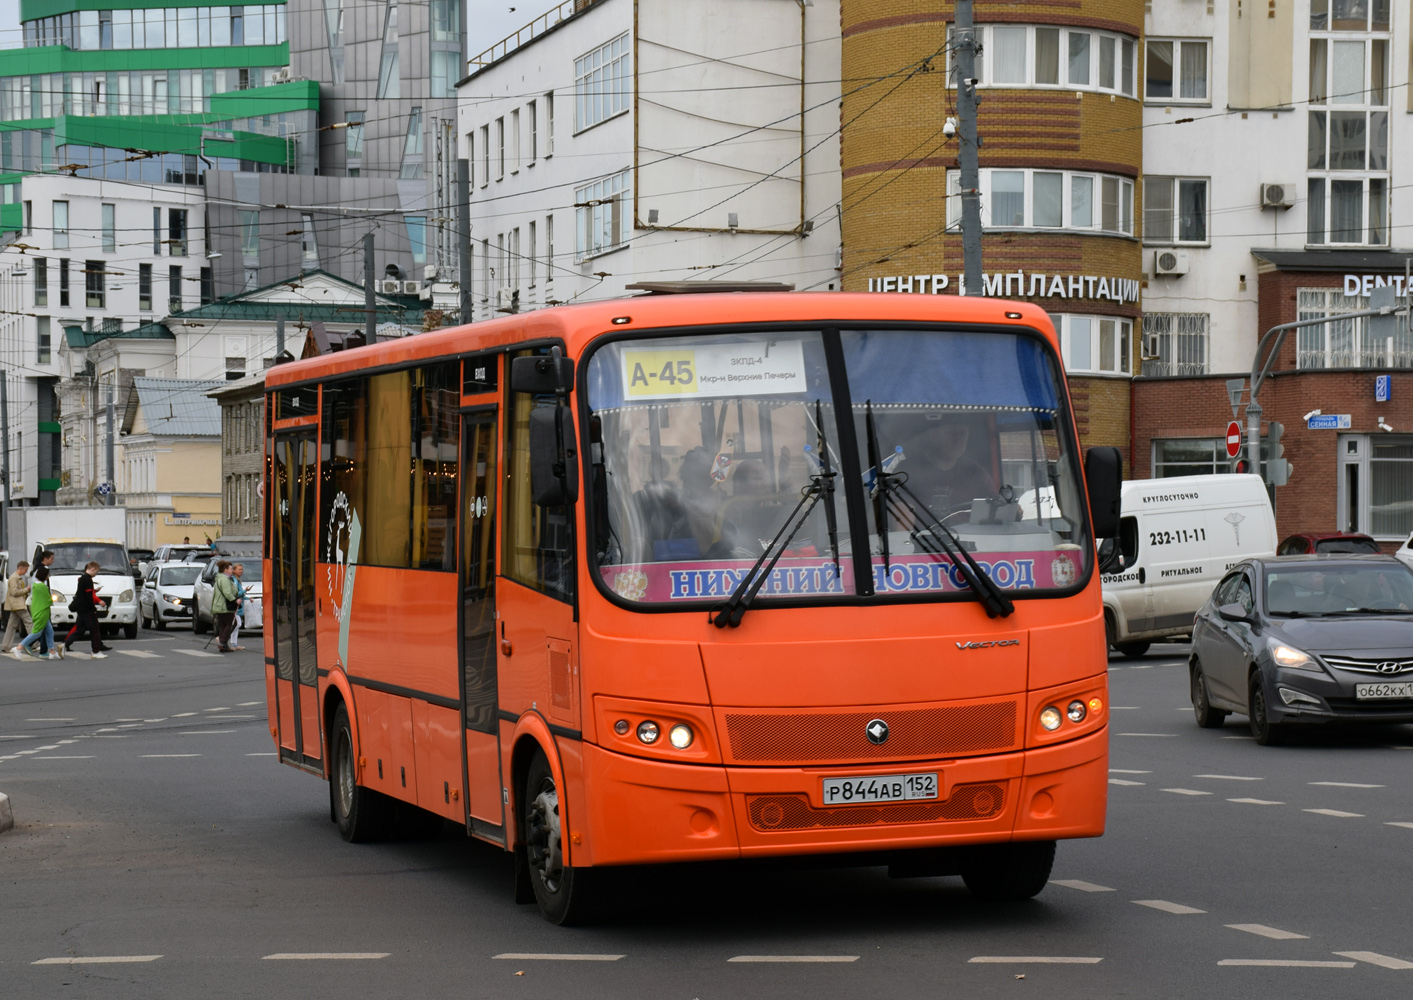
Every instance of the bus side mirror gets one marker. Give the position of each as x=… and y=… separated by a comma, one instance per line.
x=542, y=375
x=1104, y=474
x=554, y=456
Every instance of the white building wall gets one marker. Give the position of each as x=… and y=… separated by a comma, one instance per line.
x=1239, y=150
x=710, y=125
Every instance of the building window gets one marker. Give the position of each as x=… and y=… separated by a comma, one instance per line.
x=63, y=281
x=515, y=141
x=249, y=233
x=446, y=20
x=1101, y=344
x=601, y=208
x=1175, y=209
x=61, y=225
x=1347, y=191
x=446, y=66
x=1375, y=482
x=485, y=155
x=144, y=287
x=1047, y=199
x=42, y=354
x=1175, y=344
x=308, y=245
x=549, y=124
x=533, y=120
x=157, y=232
x=41, y=281
x=412, y=147
x=1345, y=343
x=1176, y=70
x=208, y=294
x=93, y=272
x=602, y=83
x=534, y=264
x=417, y=238
x=252, y=279
x=353, y=140
x=110, y=229
x=174, y=288
x=1022, y=57
x=1349, y=15
x=389, y=77
x=176, y=232
x=500, y=148
x=1193, y=457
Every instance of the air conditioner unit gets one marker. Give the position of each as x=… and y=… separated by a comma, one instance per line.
x=429, y=273
x=426, y=293
x=504, y=296
x=1151, y=348
x=1169, y=262
x=283, y=75
x=412, y=288
x=1277, y=195
x=390, y=287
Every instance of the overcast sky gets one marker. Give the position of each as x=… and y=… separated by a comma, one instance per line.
x=488, y=23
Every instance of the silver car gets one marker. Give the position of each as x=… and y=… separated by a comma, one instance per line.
x=251, y=611
x=167, y=594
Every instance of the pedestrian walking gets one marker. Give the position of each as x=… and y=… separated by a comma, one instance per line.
x=238, y=571
x=17, y=590
x=42, y=627
x=85, y=609
x=223, y=605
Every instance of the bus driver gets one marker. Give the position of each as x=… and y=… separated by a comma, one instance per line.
x=940, y=473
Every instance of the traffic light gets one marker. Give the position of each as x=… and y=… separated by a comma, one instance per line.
x=1240, y=466
x=1278, y=469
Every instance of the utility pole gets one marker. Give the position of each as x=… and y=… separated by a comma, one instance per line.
x=112, y=497
x=370, y=301
x=964, y=37
x=279, y=336
x=463, y=234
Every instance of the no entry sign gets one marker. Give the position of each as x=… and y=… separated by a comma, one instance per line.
x=1233, y=439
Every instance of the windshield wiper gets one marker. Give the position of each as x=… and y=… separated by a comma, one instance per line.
x=987, y=591
x=821, y=487
x=881, y=485
x=1375, y=611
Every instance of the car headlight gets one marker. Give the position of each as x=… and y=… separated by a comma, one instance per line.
x=125, y=597
x=57, y=597
x=1289, y=656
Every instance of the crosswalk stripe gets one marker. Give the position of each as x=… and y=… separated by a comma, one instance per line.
x=140, y=654
x=1374, y=958
x=199, y=652
x=1275, y=933
x=95, y=959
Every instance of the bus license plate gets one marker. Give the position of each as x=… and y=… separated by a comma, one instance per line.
x=880, y=788
x=1373, y=692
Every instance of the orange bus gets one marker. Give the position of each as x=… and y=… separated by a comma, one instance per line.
x=690, y=577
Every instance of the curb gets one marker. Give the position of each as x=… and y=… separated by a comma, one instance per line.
x=7, y=818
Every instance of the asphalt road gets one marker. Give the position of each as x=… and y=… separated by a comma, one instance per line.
x=154, y=825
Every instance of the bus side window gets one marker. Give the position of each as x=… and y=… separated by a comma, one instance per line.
x=539, y=541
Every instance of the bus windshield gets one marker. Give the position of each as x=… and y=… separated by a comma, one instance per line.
x=704, y=444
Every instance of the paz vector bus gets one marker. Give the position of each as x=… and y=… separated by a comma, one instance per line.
x=697, y=577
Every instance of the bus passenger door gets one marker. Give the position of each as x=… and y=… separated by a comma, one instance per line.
x=479, y=439
x=292, y=598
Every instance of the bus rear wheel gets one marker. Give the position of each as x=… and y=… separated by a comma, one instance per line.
x=1009, y=871
x=561, y=891
x=362, y=814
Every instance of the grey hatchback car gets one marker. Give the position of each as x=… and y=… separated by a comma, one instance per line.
x=1296, y=640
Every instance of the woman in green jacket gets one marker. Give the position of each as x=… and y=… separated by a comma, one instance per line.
x=40, y=601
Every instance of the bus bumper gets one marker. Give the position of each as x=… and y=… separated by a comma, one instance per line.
x=641, y=811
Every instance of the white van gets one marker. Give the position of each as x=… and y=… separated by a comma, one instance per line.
x=1177, y=538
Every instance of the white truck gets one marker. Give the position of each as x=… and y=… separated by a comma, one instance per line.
x=78, y=536
x=1177, y=539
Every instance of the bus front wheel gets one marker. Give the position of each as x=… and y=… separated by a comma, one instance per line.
x=561, y=890
x=362, y=814
x=1009, y=871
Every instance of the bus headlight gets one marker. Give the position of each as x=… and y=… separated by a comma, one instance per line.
x=1075, y=711
x=680, y=736
x=1051, y=718
x=648, y=733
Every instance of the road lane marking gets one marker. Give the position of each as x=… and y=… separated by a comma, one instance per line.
x=270, y=754
x=151, y=755
x=49, y=720
x=55, y=756
x=131, y=725
x=95, y=959
x=231, y=716
x=1286, y=963
x=1374, y=958
x=248, y=704
x=141, y=654
x=1335, y=812
x=550, y=956
x=22, y=736
x=780, y=958
x=206, y=732
x=154, y=720
x=1167, y=907
x=1033, y=960
x=1406, y=826
x=223, y=708
x=1124, y=708
x=1343, y=784
x=183, y=715
x=127, y=720
x=1274, y=933
x=1080, y=884
x=1121, y=781
x=1123, y=770
x=199, y=652
x=1165, y=735
x=1185, y=791
x=1227, y=777
x=322, y=955
x=51, y=746
x=1257, y=802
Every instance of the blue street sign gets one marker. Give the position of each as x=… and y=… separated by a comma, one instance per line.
x=1329, y=422
x=1383, y=388
x=103, y=489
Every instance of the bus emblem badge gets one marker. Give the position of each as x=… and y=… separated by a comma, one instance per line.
x=877, y=731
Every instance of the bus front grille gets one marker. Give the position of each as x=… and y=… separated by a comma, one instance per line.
x=823, y=737
x=794, y=812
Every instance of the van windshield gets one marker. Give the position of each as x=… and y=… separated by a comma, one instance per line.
x=703, y=445
x=72, y=557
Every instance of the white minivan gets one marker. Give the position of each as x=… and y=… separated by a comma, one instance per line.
x=1177, y=538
